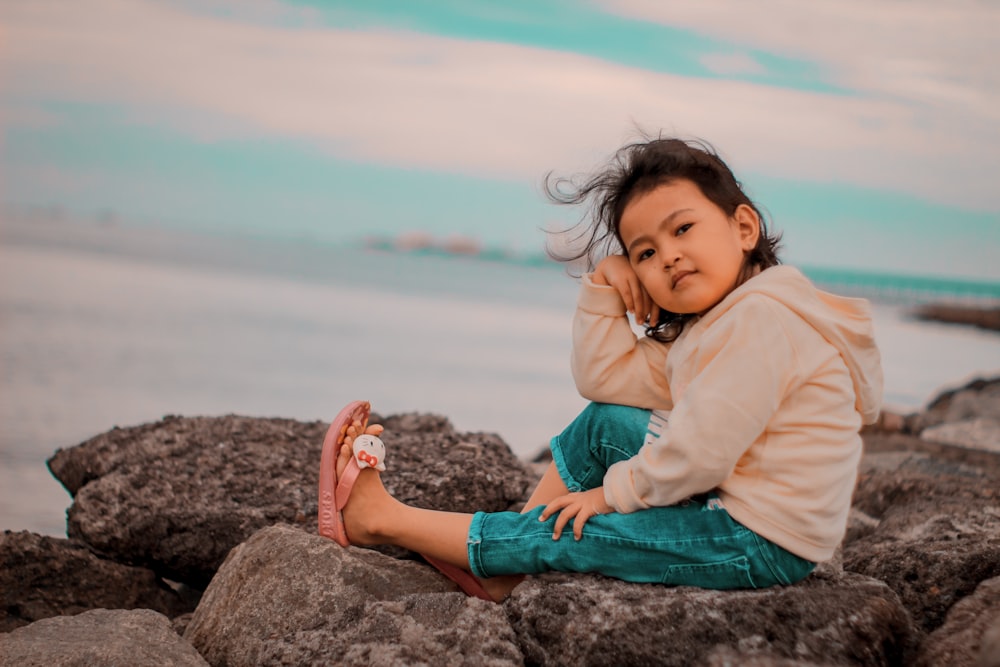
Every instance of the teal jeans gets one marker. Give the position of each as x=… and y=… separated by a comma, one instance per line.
x=693, y=543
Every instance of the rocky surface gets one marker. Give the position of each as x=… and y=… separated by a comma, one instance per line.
x=971, y=631
x=110, y=638
x=47, y=576
x=936, y=534
x=832, y=618
x=965, y=417
x=287, y=597
x=984, y=317
x=916, y=582
x=175, y=496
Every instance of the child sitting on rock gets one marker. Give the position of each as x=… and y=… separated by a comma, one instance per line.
x=721, y=449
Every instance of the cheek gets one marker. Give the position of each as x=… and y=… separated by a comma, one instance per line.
x=644, y=273
x=654, y=283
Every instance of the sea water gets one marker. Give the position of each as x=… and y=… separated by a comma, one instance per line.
x=104, y=326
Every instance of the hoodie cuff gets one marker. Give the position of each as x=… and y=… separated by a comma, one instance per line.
x=619, y=492
x=599, y=299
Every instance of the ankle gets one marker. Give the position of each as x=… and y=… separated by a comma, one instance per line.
x=499, y=588
x=384, y=524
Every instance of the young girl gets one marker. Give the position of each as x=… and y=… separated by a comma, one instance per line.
x=722, y=447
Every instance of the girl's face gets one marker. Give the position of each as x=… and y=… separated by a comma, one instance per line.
x=685, y=250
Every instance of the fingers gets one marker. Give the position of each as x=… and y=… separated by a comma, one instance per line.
x=579, y=521
x=572, y=507
x=561, y=522
x=625, y=290
x=631, y=294
x=636, y=298
x=617, y=272
x=645, y=305
x=654, y=313
x=554, y=506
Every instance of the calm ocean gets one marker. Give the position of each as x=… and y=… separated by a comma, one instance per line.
x=114, y=325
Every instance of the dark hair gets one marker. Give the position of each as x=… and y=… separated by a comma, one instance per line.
x=637, y=169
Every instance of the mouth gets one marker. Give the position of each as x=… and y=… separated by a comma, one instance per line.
x=678, y=277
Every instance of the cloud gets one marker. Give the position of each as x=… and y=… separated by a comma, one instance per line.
x=934, y=55
x=499, y=110
x=732, y=63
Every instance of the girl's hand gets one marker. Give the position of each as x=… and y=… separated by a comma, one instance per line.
x=578, y=506
x=615, y=271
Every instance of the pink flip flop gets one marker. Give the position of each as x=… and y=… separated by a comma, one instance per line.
x=334, y=493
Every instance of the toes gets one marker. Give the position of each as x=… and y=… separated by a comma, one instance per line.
x=343, y=458
x=375, y=429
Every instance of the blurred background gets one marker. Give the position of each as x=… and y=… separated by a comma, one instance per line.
x=274, y=207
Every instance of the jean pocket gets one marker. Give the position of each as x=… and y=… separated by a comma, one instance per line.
x=783, y=566
x=723, y=575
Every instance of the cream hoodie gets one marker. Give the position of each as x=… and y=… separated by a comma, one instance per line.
x=766, y=392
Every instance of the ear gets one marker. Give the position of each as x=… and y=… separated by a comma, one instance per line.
x=747, y=226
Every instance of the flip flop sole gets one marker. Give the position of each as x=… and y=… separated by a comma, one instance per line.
x=333, y=495
x=331, y=523
x=465, y=580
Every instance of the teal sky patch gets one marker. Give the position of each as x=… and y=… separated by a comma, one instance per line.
x=264, y=187
x=98, y=159
x=577, y=27
x=100, y=163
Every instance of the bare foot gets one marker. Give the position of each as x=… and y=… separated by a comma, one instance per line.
x=371, y=514
x=368, y=502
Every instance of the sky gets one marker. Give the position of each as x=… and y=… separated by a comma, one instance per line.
x=867, y=129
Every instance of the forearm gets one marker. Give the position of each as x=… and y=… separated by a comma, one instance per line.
x=609, y=363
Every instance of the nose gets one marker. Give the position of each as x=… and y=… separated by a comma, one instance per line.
x=670, y=257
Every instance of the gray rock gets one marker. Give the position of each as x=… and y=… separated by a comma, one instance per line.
x=178, y=494
x=989, y=647
x=912, y=584
x=180, y=623
x=892, y=479
x=859, y=525
x=978, y=398
x=288, y=597
x=982, y=316
x=724, y=656
x=931, y=555
x=842, y=619
x=938, y=532
x=978, y=432
x=43, y=576
x=963, y=640
x=110, y=638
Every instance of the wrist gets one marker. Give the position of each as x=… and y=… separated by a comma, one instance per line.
x=597, y=277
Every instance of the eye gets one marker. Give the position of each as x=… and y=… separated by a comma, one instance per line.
x=645, y=254
x=684, y=228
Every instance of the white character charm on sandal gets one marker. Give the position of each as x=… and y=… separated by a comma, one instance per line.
x=369, y=452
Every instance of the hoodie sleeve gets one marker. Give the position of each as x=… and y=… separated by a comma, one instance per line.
x=609, y=363
x=741, y=370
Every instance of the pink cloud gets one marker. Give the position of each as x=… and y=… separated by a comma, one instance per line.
x=466, y=106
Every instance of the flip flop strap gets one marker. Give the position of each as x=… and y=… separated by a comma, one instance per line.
x=345, y=483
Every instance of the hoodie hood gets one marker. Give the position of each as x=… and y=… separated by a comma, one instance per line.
x=844, y=322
